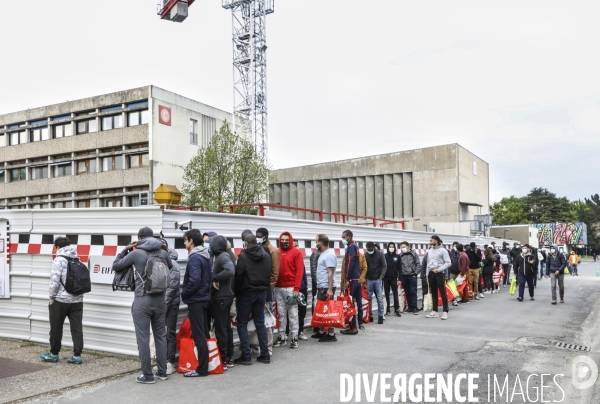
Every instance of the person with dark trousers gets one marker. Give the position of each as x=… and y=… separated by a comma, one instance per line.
x=438, y=260
x=314, y=261
x=390, y=279
x=301, y=308
x=62, y=304
x=524, y=266
x=409, y=272
x=252, y=284
x=147, y=309
x=351, y=280
x=454, y=255
x=488, y=270
x=222, y=295
x=556, y=262
x=506, y=261
x=463, y=266
x=376, y=268
x=172, y=302
x=325, y=283
x=195, y=293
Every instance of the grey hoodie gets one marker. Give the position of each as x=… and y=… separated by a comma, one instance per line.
x=172, y=295
x=138, y=259
x=438, y=258
x=59, y=273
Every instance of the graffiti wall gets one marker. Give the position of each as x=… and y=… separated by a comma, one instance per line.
x=562, y=233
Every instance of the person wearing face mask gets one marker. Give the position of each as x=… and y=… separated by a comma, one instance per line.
x=409, y=271
x=505, y=261
x=574, y=261
x=524, y=267
x=291, y=271
x=555, y=269
x=352, y=278
x=262, y=235
x=376, y=268
x=390, y=279
x=438, y=260
x=314, y=261
x=474, y=260
x=454, y=256
x=325, y=282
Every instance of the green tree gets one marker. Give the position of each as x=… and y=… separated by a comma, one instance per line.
x=226, y=171
x=543, y=206
x=511, y=210
x=590, y=215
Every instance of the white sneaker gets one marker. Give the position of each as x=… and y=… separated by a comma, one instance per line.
x=454, y=303
x=170, y=368
x=433, y=314
x=302, y=336
x=481, y=295
x=445, y=316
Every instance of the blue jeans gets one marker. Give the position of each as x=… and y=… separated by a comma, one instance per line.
x=574, y=269
x=522, y=279
x=542, y=271
x=356, y=293
x=409, y=283
x=375, y=286
x=254, y=305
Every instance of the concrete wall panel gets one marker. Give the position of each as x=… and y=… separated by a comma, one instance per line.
x=398, y=198
x=361, y=196
x=343, y=195
x=309, y=189
x=301, y=199
x=352, y=193
x=370, y=195
x=326, y=198
x=379, y=196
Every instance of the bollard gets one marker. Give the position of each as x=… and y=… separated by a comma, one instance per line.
x=598, y=272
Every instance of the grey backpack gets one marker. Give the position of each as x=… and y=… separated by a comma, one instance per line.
x=156, y=278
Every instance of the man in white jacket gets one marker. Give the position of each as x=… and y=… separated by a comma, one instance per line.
x=63, y=304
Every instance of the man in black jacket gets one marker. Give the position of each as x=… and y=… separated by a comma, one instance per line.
x=390, y=279
x=252, y=281
x=525, y=268
x=221, y=296
x=314, y=261
x=376, y=268
x=475, y=258
x=409, y=271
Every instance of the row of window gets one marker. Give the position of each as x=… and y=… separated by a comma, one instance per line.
x=112, y=202
x=110, y=163
x=134, y=118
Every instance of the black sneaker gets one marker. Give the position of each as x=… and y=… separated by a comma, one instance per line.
x=328, y=338
x=145, y=379
x=243, y=361
x=380, y=321
x=266, y=359
x=317, y=335
x=161, y=376
x=397, y=313
x=228, y=362
x=520, y=299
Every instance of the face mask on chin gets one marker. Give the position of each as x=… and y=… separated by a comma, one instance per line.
x=371, y=252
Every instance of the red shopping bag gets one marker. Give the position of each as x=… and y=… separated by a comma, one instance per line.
x=185, y=331
x=348, y=304
x=188, y=357
x=402, y=297
x=366, y=305
x=276, y=313
x=328, y=314
x=464, y=285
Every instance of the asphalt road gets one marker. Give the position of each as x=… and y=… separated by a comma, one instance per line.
x=494, y=336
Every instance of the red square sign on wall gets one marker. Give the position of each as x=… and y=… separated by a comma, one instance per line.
x=164, y=115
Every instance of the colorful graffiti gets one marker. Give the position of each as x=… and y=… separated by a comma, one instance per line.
x=562, y=233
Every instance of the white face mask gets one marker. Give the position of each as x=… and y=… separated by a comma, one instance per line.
x=391, y=249
x=525, y=250
x=552, y=250
x=344, y=241
x=371, y=252
x=404, y=249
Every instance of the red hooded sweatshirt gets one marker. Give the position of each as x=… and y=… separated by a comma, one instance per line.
x=291, y=265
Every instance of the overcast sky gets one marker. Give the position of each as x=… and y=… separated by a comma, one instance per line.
x=516, y=83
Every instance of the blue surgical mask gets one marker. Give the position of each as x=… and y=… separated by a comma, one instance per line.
x=344, y=241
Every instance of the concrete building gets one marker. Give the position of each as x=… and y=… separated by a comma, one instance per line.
x=109, y=150
x=444, y=187
x=523, y=233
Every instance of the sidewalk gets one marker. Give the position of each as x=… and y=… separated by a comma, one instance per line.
x=23, y=374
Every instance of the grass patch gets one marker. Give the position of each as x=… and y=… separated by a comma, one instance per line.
x=27, y=344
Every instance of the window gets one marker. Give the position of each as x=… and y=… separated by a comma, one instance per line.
x=138, y=118
x=112, y=163
x=38, y=122
x=2, y=176
x=133, y=201
x=63, y=130
x=86, y=126
x=112, y=122
x=61, y=169
x=18, y=174
x=38, y=134
x=115, y=202
x=193, y=131
x=138, y=160
x=90, y=203
x=3, y=140
x=63, y=205
x=86, y=166
x=18, y=138
x=61, y=118
x=107, y=109
x=137, y=104
x=39, y=206
x=39, y=172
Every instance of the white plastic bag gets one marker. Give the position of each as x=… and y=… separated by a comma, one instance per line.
x=459, y=280
x=270, y=320
x=427, y=302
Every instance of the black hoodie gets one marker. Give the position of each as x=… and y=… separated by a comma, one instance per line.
x=393, y=264
x=223, y=269
x=253, y=271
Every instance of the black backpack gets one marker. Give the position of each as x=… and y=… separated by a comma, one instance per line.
x=77, y=281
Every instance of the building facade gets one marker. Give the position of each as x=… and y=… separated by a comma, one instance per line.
x=442, y=184
x=109, y=150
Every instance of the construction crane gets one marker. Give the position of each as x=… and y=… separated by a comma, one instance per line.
x=249, y=63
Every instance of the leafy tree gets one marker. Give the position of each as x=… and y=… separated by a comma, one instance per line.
x=226, y=171
x=543, y=206
x=591, y=216
x=511, y=210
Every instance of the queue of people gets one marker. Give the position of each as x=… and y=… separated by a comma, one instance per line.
x=266, y=278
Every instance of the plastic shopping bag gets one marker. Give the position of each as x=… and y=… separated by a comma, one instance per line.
x=427, y=302
x=513, y=286
x=348, y=304
x=185, y=331
x=270, y=320
x=188, y=356
x=366, y=306
x=452, y=286
x=328, y=314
